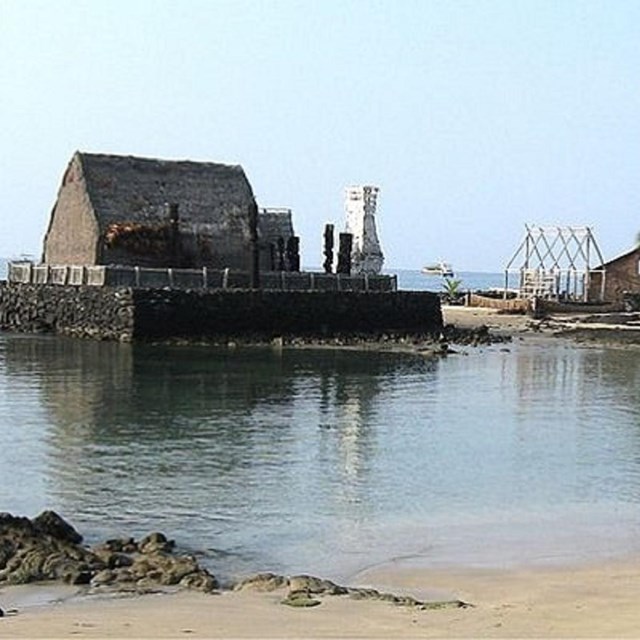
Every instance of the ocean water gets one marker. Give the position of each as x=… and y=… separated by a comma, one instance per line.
x=328, y=462
x=414, y=280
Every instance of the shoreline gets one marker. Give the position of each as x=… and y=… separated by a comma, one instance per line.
x=607, y=329
x=597, y=599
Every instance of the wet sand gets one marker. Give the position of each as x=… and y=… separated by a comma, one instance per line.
x=599, y=601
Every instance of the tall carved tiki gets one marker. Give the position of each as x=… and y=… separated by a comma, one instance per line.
x=293, y=254
x=254, y=247
x=174, y=240
x=328, y=248
x=345, y=249
x=360, y=205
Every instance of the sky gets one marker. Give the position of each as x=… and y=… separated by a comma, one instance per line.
x=473, y=118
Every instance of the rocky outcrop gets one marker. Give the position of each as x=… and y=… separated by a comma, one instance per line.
x=304, y=591
x=49, y=548
x=46, y=548
x=473, y=337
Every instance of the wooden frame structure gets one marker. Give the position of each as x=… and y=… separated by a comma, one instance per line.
x=555, y=263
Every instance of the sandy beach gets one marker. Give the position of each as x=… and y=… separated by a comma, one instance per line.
x=473, y=317
x=599, y=601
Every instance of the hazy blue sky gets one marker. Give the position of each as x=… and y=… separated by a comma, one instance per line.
x=473, y=117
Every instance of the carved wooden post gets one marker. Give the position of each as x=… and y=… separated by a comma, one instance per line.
x=255, y=248
x=280, y=253
x=174, y=239
x=344, y=253
x=328, y=248
x=272, y=256
x=293, y=254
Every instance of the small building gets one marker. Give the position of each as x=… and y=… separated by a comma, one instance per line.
x=613, y=279
x=147, y=212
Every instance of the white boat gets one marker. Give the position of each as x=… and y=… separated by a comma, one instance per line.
x=440, y=268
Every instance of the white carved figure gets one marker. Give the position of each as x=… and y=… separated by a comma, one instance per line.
x=360, y=206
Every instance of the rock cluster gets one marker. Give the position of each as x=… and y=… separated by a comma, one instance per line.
x=304, y=590
x=474, y=337
x=49, y=548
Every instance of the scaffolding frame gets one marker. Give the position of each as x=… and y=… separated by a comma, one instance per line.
x=556, y=263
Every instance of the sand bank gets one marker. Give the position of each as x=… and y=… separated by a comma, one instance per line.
x=588, y=601
x=473, y=317
x=607, y=329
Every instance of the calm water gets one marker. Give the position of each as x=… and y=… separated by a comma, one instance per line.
x=327, y=462
x=412, y=280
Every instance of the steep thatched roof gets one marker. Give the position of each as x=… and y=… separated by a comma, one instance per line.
x=127, y=188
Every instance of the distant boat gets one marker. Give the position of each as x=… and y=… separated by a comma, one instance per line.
x=440, y=268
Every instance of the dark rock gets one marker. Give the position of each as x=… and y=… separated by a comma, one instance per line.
x=51, y=523
x=299, y=599
x=446, y=604
x=403, y=601
x=104, y=577
x=311, y=584
x=124, y=545
x=175, y=569
x=27, y=565
x=475, y=336
x=360, y=593
x=7, y=550
x=45, y=549
x=155, y=542
x=262, y=582
x=113, y=559
x=15, y=526
x=77, y=576
x=200, y=581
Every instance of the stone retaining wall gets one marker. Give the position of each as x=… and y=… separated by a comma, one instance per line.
x=123, y=313
x=163, y=313
x=88, y=312
x=205, y=278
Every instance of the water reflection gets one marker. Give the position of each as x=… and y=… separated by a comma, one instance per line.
x=201, y=441
x=303, y=460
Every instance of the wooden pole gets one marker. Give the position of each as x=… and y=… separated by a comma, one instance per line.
x=254, y=246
